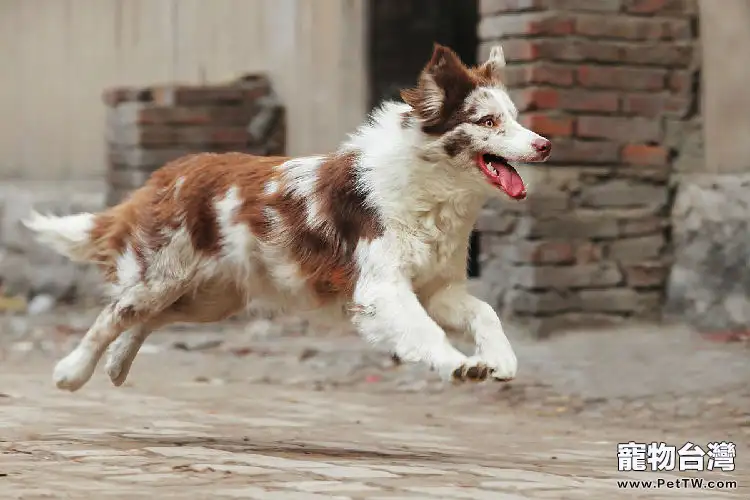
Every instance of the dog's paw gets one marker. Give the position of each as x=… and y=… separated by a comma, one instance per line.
x=116, y=370
x=473, y=370
x=120, y=357
x=503, y=364
x=74, y=370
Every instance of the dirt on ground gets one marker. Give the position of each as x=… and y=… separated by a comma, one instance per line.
x=270, y=409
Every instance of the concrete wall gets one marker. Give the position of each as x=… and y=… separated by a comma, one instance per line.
x=58, y=55
x=709, y=284
x=726, y=34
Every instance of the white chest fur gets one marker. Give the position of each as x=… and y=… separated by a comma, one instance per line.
x=435, y=240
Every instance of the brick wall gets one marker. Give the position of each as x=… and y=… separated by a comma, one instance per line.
x=148, y=127
x=613, y=83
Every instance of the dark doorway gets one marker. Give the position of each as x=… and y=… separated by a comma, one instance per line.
x=401, y=35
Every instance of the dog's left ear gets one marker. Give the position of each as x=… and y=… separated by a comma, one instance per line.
x=492, y=68
x=442, y=81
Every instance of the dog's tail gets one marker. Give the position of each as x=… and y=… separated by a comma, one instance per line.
x=69, y=235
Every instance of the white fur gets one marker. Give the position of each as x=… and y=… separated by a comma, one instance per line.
x=302, y=175
x=68, y=235
x=496, y=56
x=411, y=281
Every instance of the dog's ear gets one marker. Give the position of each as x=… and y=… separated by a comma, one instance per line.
x=492, y=68
x=443, y=84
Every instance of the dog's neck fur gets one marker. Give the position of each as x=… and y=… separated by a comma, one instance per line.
x=427, y=203
x=408, y=176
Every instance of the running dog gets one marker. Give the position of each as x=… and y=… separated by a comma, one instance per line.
x=375, y=233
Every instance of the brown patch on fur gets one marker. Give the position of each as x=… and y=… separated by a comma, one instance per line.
x=144, y=220
x=456, y=81
x=456, y=143
x=325, y=252
x=186, y=191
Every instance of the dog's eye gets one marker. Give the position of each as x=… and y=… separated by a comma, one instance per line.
x=488, y=122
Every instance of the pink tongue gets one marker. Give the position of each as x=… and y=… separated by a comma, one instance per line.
x=511, y=182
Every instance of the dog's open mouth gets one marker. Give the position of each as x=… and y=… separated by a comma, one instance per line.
x=501, y=174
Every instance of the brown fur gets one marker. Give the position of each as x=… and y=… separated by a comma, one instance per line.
x=457, y=142
x=456, y=81
x=324, y=253
x=141, y=219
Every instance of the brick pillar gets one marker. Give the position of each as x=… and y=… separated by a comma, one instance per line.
x=608, y=81
x=148, y=127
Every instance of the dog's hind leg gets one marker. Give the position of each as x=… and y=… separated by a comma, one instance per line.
x=135, y=306
x=122, y=352
x=203, y=308
x=75, y=369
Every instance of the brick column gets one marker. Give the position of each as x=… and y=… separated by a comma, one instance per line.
x=612, y=84
x=148, y=127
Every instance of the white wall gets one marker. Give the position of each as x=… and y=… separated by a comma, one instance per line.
x=58, y=55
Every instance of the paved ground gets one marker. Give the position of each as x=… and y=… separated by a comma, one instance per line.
x=266, y=413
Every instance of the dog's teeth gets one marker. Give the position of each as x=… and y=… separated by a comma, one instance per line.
x=491, y=168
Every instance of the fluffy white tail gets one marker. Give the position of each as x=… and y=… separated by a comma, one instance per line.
x=68, y=235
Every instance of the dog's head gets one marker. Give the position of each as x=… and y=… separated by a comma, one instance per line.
x=471, y=118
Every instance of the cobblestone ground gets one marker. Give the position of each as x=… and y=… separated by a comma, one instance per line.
x=262, y=412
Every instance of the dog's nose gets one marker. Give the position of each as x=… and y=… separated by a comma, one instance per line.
x=542, y=145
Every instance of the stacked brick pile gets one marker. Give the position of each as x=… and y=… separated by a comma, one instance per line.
x=612, y=83
x=148, y=127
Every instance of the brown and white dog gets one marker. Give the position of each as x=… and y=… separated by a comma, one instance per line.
x=375, y=233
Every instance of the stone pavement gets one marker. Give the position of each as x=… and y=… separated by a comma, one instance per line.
x=237, y=414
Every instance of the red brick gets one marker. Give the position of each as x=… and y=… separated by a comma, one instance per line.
x=632, y=28
x=515, y=50
x=656, y=105
x=622, y=78
x=584, y=152
x=671, y=55
x=588, y=252
x=146, y=136
x=192, y=96
x=680, y=82
x=644, y=154
x=212, y=136
x=552, y=126
x=660, y=7
x=542, y=252
x=646, y=274
x=536, y=98
x=539, y=73
x=649, y=105
x=619, y=128
x=529, y=49
x=533, y=23
x=588, y=100
x=676, y=54
x=161, y=115
x=587, y=5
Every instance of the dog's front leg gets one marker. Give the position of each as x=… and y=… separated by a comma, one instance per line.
x=454, y=308
x=390, y=313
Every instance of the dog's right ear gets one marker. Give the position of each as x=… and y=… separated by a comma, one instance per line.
x=442, y=79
